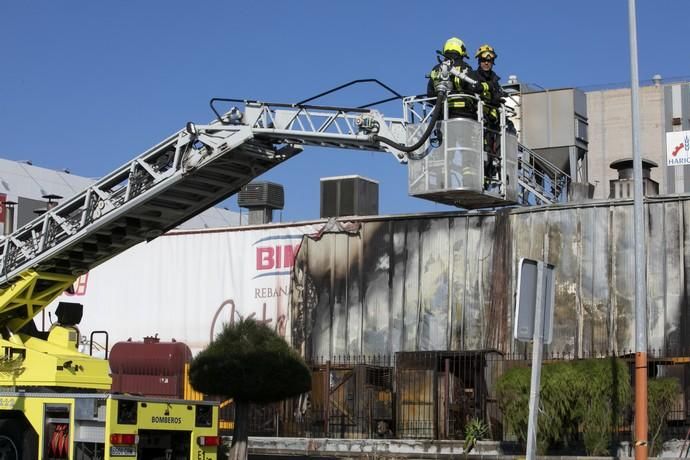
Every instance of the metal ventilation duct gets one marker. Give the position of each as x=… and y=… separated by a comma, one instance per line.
x=261, y=198
x=623, y=186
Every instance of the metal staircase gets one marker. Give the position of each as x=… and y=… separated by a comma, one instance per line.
x=541, y=182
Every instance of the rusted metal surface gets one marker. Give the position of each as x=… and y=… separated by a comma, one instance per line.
x=150, y=367
x=446, y=282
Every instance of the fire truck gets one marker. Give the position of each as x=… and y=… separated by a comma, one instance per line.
x=58, y=403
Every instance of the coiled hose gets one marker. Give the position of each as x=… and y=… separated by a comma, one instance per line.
x=435, y=116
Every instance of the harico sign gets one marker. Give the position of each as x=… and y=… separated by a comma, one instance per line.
x=678, y=148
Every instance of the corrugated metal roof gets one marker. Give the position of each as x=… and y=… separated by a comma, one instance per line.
x=22, y=179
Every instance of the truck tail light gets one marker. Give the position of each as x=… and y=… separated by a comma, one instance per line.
x=208, y=440
x=124, y=439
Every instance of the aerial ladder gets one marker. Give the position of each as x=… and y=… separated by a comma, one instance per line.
x=49, y=384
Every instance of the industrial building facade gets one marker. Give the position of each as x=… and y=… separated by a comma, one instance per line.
x=664, y=107
x=409, y=320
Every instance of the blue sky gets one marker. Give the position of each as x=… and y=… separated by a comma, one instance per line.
x=88, y=85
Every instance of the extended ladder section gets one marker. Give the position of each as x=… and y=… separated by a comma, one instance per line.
x=175, y=180
x=345, y=128
x=200, y=166
x=165, y=186
x=538, y=181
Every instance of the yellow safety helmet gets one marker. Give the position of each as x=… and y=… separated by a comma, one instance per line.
x=486, y=52
x=455, y=45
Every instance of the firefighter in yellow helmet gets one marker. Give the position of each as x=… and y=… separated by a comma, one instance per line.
x=492, y=91
x=492, y=96
x=454, y=50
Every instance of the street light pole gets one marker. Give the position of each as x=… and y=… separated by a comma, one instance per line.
x=641, y=428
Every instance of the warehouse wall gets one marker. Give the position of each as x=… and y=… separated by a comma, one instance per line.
x=447, y=281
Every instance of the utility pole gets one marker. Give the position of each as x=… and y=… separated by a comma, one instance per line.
x=641, y=424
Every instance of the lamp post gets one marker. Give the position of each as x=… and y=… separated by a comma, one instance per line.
x=641, y=428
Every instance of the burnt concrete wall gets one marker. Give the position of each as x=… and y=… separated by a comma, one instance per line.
x=437, y=282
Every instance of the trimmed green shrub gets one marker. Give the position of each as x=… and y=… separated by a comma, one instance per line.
x=661, y=395
x=248, y=361
x=251, y=363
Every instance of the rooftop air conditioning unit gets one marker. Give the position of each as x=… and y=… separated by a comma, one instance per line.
x=349, y=196
x=261, y=198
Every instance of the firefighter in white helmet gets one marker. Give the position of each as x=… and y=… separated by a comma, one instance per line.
x=454, y=50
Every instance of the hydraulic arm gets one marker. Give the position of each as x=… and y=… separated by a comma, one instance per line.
x=180, y=177
x=183, y=175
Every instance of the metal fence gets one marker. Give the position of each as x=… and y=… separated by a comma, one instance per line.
x=425, y=395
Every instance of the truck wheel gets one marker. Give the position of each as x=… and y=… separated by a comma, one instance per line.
x=8, y=448
x=17, y=441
